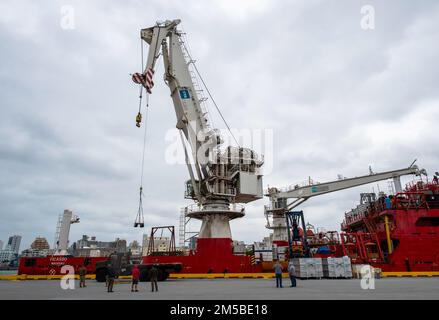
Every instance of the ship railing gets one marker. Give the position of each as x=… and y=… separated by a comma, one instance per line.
x=273, y=206
x=403, y=200
x=353, y=217
x=197, y=208
x=414, y=186
x=377, y=207
x=410, y=200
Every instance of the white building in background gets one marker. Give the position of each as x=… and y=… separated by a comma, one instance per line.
x=34, y=253
x=1, y=245
x=90, y=247
x=135, y=248
x=239, y=247
x=7, y=255
x=268, y=241
x=95, y=253
x=161, y=244
x=14, y=243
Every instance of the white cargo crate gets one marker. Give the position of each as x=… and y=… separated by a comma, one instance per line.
x=308, y=268
x=337, y=268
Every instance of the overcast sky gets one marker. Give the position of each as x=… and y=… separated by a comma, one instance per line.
x=336, y=97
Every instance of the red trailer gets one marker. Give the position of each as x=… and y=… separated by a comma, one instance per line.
x=51, y=265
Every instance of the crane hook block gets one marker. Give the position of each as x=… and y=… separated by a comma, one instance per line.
x=139, y=224
x=138, y=119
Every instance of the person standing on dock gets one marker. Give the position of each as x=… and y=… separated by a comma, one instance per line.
x=153, y=275
x=111, y=275
x=278, y=273
x=136, y=275
x=82, y=273
x=292, y=273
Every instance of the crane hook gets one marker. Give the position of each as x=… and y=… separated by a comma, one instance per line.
x=138, y=120
x=139, y=222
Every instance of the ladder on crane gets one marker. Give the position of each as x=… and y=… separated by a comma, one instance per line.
x=185, y=236
x=57, y=232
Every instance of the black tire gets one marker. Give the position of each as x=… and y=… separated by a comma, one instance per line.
x=144, y=275
x=165, y=276
x=162, y=275
x=101, y=275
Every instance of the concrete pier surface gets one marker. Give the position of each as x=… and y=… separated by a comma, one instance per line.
x=228, y=289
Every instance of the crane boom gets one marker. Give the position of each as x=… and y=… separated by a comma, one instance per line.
x=331, y=186
x=63, y=230
x=220, y=178
x=279, y=205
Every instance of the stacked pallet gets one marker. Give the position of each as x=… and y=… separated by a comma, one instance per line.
x=337, y=268
x=308, y=268
x=263, y=252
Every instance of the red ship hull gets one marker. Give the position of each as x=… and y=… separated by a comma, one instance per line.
x=51, y=265
x=211, y=256
x=406, y=230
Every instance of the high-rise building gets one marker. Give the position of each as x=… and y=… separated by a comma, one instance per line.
x=14, y=243
x=1, y=245
x=40, y=243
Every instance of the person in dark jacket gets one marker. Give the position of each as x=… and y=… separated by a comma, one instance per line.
x=82, y=273
x=153, y=275
x=111, y=276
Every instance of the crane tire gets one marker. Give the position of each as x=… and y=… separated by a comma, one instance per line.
x=101, y=275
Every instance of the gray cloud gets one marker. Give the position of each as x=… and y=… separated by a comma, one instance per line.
x=338, y=99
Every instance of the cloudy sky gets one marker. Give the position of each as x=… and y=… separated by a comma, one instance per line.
x=336, y=97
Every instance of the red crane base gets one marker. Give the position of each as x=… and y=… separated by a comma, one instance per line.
x=213, y=255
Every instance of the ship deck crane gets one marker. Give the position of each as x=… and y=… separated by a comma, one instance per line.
x=62, y=232
x=220, y=178
x=279, y=206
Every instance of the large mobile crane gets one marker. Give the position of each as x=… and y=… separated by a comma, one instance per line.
x=221, y=178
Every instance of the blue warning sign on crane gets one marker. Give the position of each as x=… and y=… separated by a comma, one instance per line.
x=184, y=94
